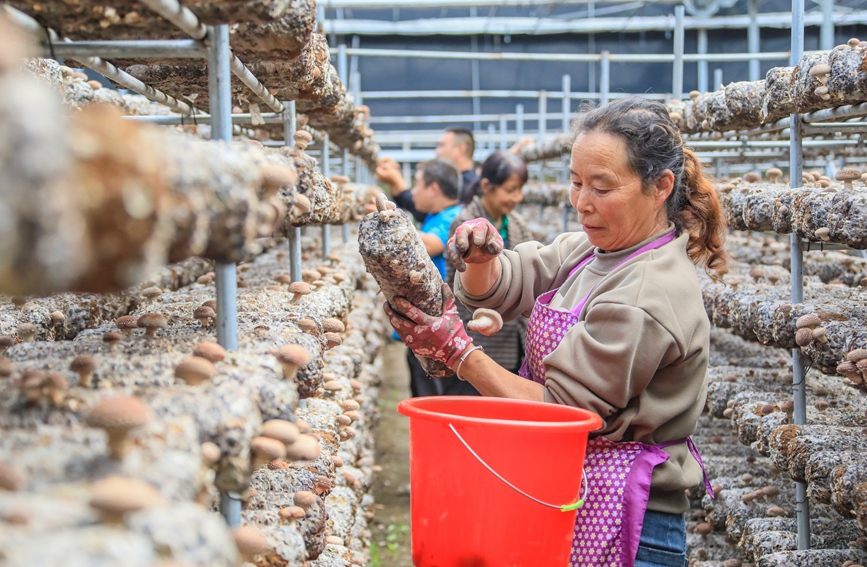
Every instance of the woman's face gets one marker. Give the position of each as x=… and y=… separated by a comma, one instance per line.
x=502, y=200
x=608, y=196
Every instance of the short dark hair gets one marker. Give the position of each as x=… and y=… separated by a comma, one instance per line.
x=443, y=173
x=464, y=136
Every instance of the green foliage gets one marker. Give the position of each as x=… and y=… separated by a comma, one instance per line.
x=394, y=537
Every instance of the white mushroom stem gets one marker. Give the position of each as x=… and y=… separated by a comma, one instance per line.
x=486, y=321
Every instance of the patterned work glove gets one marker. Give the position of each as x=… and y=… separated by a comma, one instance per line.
x=475, y=242
x=442, y=338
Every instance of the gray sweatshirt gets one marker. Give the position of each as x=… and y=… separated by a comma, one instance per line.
x=638, y=356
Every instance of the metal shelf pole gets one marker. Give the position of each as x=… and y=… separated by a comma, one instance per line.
x=604, y=77
x=519, y=121
x=326, y=172
x=290, y=124
x=219, y=85
x=345, y=167
x=677, y=71
x=799, y=390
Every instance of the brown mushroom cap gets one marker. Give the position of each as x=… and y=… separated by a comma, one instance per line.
x=127, y=323
x=752, y=177
x=848, y=175
x=284, y=431
x=306, y=448
x=194, y=370
x=204, y=314
x=283, y=279
x=27, y=332
x=85, y=365
x=307, y=325
x=210, y=351
x=310, y=275
x=299, y=289
x=6, y=341
x=115, y=496
x=151, y=323
x=118, y=416
x=7, y=367
x=250, y=542
x=774, y=173
x=151, y=292
x=820, y=69
x=332, y=340
x=856, y=355
x=57, y=317
x=266, y=449
x=10, y=479
x=804, y=337
x=212, y=303
x=292, y=357
x=292, y=513
x=333, y=325
x=111, y=338
x=304, y=499
x=809, y=320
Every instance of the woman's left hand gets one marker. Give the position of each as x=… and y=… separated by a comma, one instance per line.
x=442, y=338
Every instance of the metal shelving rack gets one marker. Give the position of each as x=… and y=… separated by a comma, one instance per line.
x=210, y=43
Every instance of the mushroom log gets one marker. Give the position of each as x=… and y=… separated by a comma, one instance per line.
x=396, y=257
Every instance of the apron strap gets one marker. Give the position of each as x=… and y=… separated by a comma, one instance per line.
x=653, y=245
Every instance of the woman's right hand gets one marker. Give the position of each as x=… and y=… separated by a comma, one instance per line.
x=475, y=241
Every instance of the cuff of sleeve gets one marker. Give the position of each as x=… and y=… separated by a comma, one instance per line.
x=495, y=296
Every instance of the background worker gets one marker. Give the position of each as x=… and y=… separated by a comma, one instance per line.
x=617, y=327
x=457, y=145
x=494, y=197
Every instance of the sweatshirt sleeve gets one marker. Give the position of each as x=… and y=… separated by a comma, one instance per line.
x=527, y=272
x=608, y=359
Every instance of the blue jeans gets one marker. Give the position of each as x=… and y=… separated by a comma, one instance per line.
x=663, y=541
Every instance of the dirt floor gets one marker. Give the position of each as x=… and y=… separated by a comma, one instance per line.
x=391, y=526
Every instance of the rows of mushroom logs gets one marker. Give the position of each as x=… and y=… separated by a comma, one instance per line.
x=163, y=196
x=819, y=80
x=121, y=437
x=276, y=40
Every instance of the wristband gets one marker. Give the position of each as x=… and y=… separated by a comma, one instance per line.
x=464, y=357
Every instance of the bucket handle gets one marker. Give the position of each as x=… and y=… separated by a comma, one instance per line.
x=563, y=508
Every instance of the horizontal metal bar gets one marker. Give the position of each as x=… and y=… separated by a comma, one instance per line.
x=563, y=57
x=390, y=4
x=833, y=127
x=268, y=117
x=128, y=49
x=500, y=94
x=543, y=26
x=769, y=144
x=848, y=111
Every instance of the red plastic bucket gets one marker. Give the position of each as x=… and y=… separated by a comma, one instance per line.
x=488, y=477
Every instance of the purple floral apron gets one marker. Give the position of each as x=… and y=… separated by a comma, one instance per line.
x=608, y=525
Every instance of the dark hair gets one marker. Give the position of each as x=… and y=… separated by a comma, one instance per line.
x=497, y=169
x=464, y=136
x=653, y=145
x=444, y=173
